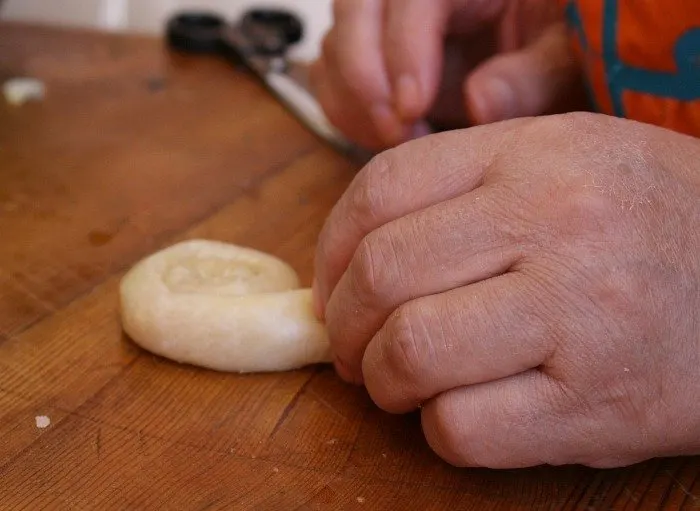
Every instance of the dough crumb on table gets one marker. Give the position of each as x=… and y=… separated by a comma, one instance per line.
x=18, y=91
x=42, y=421
x=222, y=307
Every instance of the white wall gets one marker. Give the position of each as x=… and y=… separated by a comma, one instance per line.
x=149, y=15
x=76, y=12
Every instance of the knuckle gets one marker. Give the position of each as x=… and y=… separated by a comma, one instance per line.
x=370, y=275
x=588, y=123
x=382, y=385
x=360, y=82
x=586, y=211
x=369, y=192
x=363, y=269
x=349, y=68
x=367, y=198
x=405, y=351
x=455, y=430
x=617, y=291
x=569, y=125
x=441, y=429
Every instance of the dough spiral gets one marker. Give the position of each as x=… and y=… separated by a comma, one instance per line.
x=222, y=307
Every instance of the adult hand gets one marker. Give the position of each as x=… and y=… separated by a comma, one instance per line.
x=532, y=285
x=388, y=65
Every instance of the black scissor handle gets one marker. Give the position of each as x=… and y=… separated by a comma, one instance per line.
x=195, y=32
x=269, y=31
x=285, y=23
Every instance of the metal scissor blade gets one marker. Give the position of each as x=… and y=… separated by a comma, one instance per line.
x=272, y=71
x=305, y=106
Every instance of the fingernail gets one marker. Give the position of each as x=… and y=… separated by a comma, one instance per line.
x=407, y=97
x=421, y=129
x=417, y=130
x=495, y=101
x=387, y=123
x=317, y=300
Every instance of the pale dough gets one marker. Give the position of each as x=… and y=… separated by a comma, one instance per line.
x=222, y=307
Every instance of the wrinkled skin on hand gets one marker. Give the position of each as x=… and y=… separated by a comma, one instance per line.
x=533, y=286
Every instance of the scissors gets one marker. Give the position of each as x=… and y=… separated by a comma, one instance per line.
x=260, y=41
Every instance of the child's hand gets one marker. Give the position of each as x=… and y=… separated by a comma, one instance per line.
x=534, y=285
x=388, y=65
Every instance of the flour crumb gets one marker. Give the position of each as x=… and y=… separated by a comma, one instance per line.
x=627, y=369
x=332, y=441
x=18, y=91
x=360, y=500
x=42, y=421
x=275, y=469
x=384, y=455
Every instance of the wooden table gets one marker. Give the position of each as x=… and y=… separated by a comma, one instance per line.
x=132, y=150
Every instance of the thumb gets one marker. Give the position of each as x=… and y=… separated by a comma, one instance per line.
x=531, y=81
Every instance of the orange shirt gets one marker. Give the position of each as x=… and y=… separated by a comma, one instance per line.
x=641, y=58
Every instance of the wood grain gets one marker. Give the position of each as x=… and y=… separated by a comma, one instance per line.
x=132, y=150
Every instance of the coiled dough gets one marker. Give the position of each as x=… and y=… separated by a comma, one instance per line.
x=222, y=307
